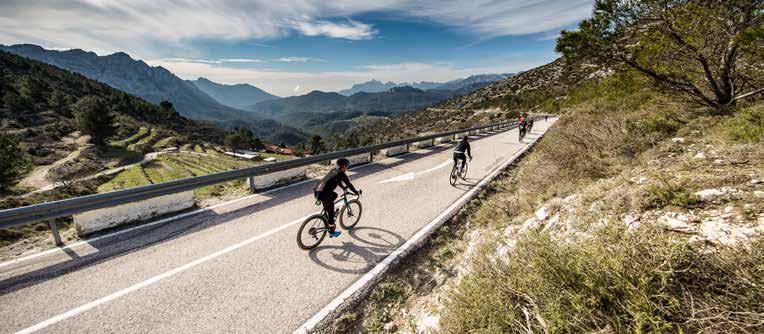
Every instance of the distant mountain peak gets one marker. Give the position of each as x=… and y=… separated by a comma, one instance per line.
x=236, y=95
x=403, y=89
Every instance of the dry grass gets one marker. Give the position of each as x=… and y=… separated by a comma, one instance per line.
x=616, y=282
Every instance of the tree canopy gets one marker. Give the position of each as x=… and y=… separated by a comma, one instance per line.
x=14, y=160
x=707, y=50
x=93, y=118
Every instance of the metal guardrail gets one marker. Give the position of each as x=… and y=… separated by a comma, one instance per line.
x=68, y=207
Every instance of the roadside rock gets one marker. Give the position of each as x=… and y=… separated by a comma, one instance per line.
x=677, y=222
x=428, y=324
x=713, y=193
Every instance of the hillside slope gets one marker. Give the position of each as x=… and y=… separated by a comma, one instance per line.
x=238, y=96
x=119, y=70
x=527, y=92
x=41, y=116
x=635, y=213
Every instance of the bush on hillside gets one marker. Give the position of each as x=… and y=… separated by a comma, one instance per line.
x=14, y=160
x=747, y=126
x=616, y=282
x=612, y=121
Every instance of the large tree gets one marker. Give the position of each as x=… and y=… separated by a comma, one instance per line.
x=707, y=50
x=93, y=118
x=317, y=145
x=235, y=141
x=14, y=160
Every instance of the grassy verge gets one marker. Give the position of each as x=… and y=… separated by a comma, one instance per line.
x=646, y=281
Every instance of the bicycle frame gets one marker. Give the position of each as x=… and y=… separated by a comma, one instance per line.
x=343, y=199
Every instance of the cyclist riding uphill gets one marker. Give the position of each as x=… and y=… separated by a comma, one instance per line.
x=324, y=191
x=522, y=122
x=462, y=147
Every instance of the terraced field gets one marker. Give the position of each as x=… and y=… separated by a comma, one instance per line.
x=142, y=132
x=173, y=166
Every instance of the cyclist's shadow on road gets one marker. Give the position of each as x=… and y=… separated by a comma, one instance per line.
x=366, y=247
x=466, y=183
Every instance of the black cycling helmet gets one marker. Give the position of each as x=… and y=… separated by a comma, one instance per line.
x=343, y=162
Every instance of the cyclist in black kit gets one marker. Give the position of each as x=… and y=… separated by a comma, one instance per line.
x=324, y=191
x=459, y=152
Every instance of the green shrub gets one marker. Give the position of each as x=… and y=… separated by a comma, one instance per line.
x=645, y=281
x=14, y=160
x=659, y=196
x=747, y=126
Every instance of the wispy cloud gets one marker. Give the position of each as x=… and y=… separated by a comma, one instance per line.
x=299, y=59
x=212, y=61
x=243, y=60
x=352, y=30
x=184, y=60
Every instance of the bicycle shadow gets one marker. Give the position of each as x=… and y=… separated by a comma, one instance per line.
x=370, y=246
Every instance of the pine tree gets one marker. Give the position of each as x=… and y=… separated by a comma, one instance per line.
x=93, y=118
x=14, y=160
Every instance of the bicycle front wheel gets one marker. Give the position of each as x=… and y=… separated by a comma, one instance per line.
x=350, y=214
x=464, y=171
x=312, y=232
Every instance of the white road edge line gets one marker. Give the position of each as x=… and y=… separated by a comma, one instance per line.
x=370, y=278
x=155, y=279
x=170, y=273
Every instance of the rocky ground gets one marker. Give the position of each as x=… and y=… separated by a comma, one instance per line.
x=695, y=186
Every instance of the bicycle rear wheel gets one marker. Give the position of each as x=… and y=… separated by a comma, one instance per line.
x=312, y=232
x=350, y=214
x=454, y=175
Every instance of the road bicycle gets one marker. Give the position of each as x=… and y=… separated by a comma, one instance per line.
x=457, y=173
x=314, y=229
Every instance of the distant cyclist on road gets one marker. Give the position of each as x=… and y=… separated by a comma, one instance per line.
x=324, y=191
x=522, y=127
x=459, y=152
x=530, y=124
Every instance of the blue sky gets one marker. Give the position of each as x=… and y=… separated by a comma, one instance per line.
x=290, y=47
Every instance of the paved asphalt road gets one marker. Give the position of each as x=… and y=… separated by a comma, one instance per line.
x=237, y=268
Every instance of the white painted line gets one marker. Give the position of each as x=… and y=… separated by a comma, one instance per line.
x=155, y=279
x=169, y=219
x=152, y=280
x=410, y=176
x=371, y=277
x=159, y=222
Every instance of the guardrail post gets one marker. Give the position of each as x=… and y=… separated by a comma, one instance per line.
x=251, y=181
x=371, y=157
x=54, y=230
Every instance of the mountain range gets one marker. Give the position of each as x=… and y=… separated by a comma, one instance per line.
x=374, y=86
x=237, y=96
x=156, y=84
x=244, y=105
